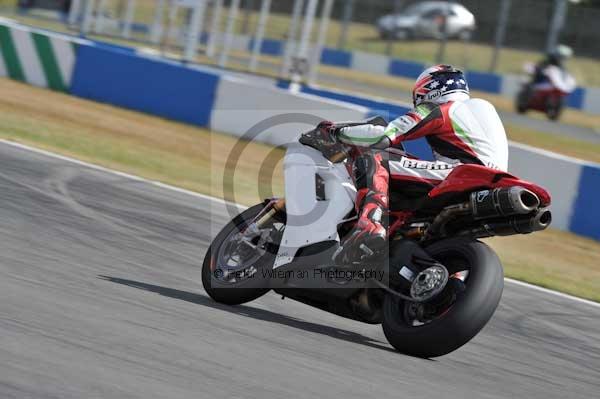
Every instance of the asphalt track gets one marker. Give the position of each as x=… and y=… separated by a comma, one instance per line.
x=100, y=297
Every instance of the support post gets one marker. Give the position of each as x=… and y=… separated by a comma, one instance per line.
x=228, y=42
x=346, y=20
x=88, y=17
x=194, y=29
x=217, y=8
x=500, y=33
x=128, y=20
x=291, y=38
x=260, y=34
x=313, y=72
x=558, y=21
x=300, y=63
x=74, y=12
x=157, y=25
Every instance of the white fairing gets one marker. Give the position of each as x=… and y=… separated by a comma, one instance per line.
x=310, y=220
x=477, y=123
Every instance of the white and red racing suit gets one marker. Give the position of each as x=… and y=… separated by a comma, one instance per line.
x=459, y=132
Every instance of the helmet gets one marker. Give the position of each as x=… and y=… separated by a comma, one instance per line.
x=440, y=84
x=559, y=54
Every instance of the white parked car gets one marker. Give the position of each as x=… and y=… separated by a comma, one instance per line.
x=426, y=20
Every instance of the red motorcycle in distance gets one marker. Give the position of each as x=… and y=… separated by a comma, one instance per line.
x=433, y=288
x=548, y=94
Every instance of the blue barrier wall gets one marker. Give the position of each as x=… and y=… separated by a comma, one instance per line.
x=407, y=69
x=268, y=47
x=336, y=57
x=586, y=212
x=575, y=99
x=483, y=81
x=149, y=85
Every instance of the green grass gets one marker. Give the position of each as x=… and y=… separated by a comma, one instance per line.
x=195, y=158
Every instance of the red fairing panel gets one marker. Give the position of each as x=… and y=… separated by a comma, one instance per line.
x=469, y=178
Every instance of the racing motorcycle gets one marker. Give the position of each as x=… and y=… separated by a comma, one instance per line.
x=433, y=288
x=549, y=96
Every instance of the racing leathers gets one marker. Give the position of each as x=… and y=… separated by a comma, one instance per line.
x=458, y=132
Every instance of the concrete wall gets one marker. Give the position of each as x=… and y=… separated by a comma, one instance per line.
x=273, y=115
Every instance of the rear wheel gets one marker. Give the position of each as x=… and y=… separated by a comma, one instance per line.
x=465, y=306
x=522, y=100
x=234, y=265
x=554, y=107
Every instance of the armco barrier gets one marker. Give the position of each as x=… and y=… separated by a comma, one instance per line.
x=236, y=106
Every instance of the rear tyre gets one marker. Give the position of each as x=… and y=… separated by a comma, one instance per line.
x=522, y=100
x=554, y=108
x=244, y=290
x=473, y=303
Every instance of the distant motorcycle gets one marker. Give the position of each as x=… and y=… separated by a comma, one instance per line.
x=435, y=286
x=547, y=96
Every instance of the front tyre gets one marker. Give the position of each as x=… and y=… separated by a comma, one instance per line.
x=474, y=291
x=237, y=290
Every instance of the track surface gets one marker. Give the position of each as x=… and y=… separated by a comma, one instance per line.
x=100, y=297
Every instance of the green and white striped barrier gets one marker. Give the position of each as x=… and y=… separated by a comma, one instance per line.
x=37, y=58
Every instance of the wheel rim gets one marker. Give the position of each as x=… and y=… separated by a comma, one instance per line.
x=242, y=251
x=413, y=314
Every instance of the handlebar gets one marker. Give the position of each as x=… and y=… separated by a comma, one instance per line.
x=324, y=141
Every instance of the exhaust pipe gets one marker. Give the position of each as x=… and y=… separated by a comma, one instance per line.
x=508, y=201
x=512, y=204
x=516, y=225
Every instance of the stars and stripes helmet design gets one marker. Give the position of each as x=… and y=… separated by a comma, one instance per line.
x=440, y=84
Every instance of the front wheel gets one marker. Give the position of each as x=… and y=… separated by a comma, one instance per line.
x=233, y=268
x=470, y=299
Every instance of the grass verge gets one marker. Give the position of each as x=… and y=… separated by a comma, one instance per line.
x=195, y=159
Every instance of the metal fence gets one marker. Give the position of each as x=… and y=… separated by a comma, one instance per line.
x=507, y=32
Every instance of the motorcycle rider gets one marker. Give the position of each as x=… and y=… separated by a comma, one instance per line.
x=556, y=58
x=459, y=129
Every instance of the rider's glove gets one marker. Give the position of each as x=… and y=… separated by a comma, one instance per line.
x=328, y=130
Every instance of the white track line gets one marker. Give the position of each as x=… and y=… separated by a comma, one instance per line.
x=219, y=200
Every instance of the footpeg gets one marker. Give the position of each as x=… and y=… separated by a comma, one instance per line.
x=367, y=251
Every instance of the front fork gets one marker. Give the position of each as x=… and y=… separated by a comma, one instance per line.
x=257, y=226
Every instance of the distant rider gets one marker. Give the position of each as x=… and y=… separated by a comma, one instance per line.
x=460, y=130
x=555, y=58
